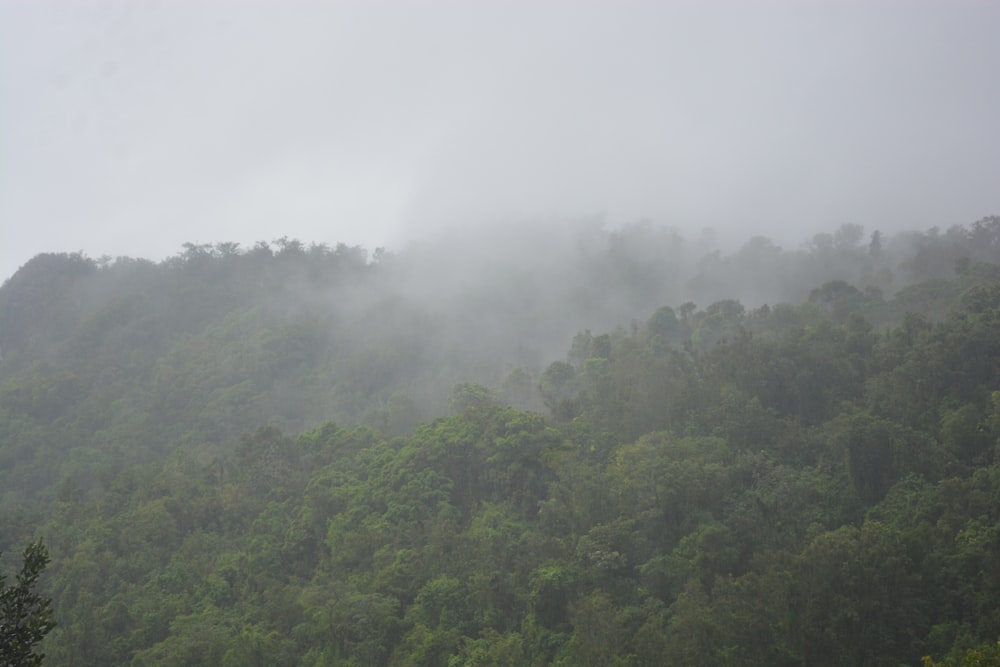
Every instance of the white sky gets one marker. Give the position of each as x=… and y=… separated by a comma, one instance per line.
x=131, y=127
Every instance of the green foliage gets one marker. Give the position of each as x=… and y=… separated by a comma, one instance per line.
x=470, y=396
x=987, y=656
x=813, y=482
x=25, y=614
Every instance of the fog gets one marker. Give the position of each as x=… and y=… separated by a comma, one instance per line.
x=129, y=128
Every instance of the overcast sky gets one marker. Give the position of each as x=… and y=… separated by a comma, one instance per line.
x=131, y=127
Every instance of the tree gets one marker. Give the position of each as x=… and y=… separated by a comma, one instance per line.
x=986, y=656
x=25, y=616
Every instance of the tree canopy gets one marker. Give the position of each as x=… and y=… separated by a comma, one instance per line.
x=301, y=455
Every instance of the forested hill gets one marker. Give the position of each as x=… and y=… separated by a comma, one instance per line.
x=200, y=347
x=657, y=452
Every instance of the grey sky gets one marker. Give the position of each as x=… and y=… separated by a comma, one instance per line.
x=131, y=127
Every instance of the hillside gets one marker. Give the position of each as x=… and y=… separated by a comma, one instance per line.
x=560, y=445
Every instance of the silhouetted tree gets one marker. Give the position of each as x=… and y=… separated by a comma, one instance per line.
x=25, y=616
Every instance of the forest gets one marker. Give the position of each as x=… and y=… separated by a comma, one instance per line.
x=543, y=445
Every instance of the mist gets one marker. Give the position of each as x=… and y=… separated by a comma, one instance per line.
x=501, y=332
x=132, y=128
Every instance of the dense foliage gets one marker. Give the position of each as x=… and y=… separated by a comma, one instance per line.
x=811, y=482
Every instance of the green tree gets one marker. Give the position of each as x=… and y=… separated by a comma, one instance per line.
x=25, y=616
x=855, y=599
x=986, y=656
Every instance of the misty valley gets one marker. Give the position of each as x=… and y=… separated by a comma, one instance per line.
x=538, y=444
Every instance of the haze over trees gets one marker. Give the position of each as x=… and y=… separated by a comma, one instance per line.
x=558, y=445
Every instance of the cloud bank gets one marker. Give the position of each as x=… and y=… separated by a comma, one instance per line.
x=128, y=128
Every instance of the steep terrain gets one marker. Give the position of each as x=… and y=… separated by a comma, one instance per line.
x=550, y=447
